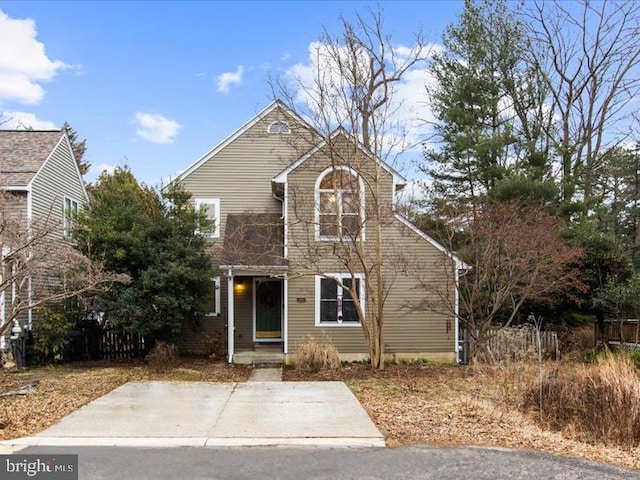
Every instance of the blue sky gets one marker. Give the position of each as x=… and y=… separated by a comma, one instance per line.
x=157, y=84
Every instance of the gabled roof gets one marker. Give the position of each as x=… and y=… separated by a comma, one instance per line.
x=460, y=264
x=273, y=106
x=282, y=176
x=23, y=152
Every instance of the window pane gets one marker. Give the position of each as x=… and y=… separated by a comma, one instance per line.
x=349, y=203
x=328, y=289
x=209, y=210
x=350, y=225
x=329, y=311
x=328, y=202
x=338, y=179
x=349, y=313
x=328, y=225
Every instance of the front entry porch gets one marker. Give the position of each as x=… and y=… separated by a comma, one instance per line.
x=256, y=318
x=262, y=354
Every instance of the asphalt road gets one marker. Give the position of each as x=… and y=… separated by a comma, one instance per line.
x=189, y=463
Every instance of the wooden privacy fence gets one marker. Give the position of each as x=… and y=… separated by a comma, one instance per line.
x=513, y=343
x=100, y=343
x=619, y=333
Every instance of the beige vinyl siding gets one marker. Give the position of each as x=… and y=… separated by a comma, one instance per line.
x=58, y=178
x=240, y=174
x=243, y=310
x=192, y=340
x=406, y=330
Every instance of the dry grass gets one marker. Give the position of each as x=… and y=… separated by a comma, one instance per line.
x=162, y=357
x=316, y=356
x=446, y=405
x=62, y=389
x=599, y=402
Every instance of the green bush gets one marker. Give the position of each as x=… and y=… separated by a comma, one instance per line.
x=50, y=334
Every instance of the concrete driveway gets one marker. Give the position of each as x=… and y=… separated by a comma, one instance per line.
x=208, y=414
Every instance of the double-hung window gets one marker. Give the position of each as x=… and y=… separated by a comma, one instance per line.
x=340, y=203
x=70, y=214
x=210, y=207
x=335, y=303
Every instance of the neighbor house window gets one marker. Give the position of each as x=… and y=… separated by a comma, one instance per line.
x=70, y=215
x=278, y=127
x=334, y=302
x=210, y=207
x=213, y=302
x=339, y=204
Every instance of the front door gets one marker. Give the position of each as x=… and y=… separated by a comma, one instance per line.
x=268, y=310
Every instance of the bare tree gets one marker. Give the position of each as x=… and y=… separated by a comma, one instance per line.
x=516, y=254
x=40, y=266
x=351, y=105
x=589, y=53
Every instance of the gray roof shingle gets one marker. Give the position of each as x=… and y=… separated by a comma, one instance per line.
x=22, y=153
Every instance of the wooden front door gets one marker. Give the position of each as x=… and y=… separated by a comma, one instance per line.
x=268, y=310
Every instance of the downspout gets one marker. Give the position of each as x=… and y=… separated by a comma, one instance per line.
x=285, y=313
x=230, y=317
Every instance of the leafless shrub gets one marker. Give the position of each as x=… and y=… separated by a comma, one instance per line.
x=597, y=403
x=162, y=357
x=577, y=340
x=213, y=344
x=314, y=356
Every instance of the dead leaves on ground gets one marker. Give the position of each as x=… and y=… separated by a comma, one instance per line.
x=61, y=390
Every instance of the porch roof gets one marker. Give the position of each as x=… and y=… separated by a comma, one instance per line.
x=255, y=239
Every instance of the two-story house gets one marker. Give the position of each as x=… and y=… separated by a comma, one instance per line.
x=308, y=243
x=42, y=191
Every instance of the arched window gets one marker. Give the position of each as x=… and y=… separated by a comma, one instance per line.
x=340, y=204
x=278, y=127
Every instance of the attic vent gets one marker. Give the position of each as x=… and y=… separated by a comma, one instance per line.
x=278, y=127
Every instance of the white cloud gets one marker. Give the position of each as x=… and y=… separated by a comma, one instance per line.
x=156, y=128
x=23, y=61
x=226, y=79
x=24, y=121
x=102, y=167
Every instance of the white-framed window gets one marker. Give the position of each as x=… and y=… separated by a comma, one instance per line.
x=70, y=214
x=334, y=303
x=211, y=208
x=339, y=204
x=278, y=127
x=213, y=304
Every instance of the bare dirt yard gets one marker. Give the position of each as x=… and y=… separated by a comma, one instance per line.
x=430, y=404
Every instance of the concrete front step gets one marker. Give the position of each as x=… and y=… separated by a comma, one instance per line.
x=269, y=359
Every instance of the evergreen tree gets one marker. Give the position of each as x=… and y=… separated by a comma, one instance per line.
x=79, y=148
x=488, y=106
x=151, y=237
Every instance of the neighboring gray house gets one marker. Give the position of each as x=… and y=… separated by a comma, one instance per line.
x=270, y=188
x=43, y=189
